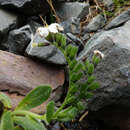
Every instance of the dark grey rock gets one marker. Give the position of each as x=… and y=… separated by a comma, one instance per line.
x=67, y=10
x=72, y=25
x=27, y=7
x=8, y=22
x=34, y=25
x=109, y=4
x=19, y=39
x=95, y=24
x=72, y=39
x=47, y=53
x=113, y=96
x=85, y=37
x=119, y=20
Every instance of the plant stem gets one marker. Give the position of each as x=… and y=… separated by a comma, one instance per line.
x=24, y=113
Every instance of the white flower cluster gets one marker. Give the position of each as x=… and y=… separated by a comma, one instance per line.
x=53, y=28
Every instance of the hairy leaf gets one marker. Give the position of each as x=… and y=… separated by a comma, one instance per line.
x=73, y=52
x=18, y=128
x=75, y=77
x=90, y=69
x=50, y=111
x=35, y=98
x=67, y=114
x=95, y=60
x=68, y=50
x=28, y=123
x=5, y=100
x=89, y=95
x=90, y=79
x=93, y=86
x=72, y=64
x=6, y=121
x=78, y=67
x=80, y=106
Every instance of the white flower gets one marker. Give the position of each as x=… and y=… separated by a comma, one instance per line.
x=56, y=26
x=97, y=52
x=53, y=28
x=43, y=31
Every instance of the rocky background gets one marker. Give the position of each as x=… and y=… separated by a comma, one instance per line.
x=91, y=25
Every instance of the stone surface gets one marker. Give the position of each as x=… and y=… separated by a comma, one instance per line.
x=72, y=39
x=119, y=20
x=27, y=7
x=67, y=10
x=47, y=53
x=8, y=21
x=85, y=37
x=72, y=25
x=111, y=102
x=34, y=25
x=109, y=4
x=95, y=24
x=18, y=39
x=19, y=75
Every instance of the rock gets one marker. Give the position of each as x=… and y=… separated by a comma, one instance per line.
x=72, y=25
x=18, y=39
x=66, y=10
x=119, y=20
x=72, y=39
x=8, y=22
x=27, y=7
x=86, y=37
x=19, y=75
x=109, y=4
x=34, y=26
x=111, y=102
x=48, y=53
x=95, y=24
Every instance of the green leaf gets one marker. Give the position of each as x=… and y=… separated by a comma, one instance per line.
x=35, y=98
x=78, y=67
x=5, y=100
x=73, y=52
x=18, y=128
x=75, y=77
x=70, y=99
x=87, y=63
x=67, y=114
x=28, y=123
x=68, y=49
x=90, y=79
x=63, y=41
x=50, y=111
x=55, y=43
x=58, y=37
x=72, y=64
x=93, y=86
x=90, y=69
x=73, y=88
x=6, y=121
x=80, y=106
x=89, y=95
x=96, y=59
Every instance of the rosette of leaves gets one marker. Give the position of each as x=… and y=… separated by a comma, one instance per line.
x=21, y=118
x=78, y=90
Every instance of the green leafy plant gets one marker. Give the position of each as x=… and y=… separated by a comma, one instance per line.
x=79, y=90
x=21, y=118
x=81, y=84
